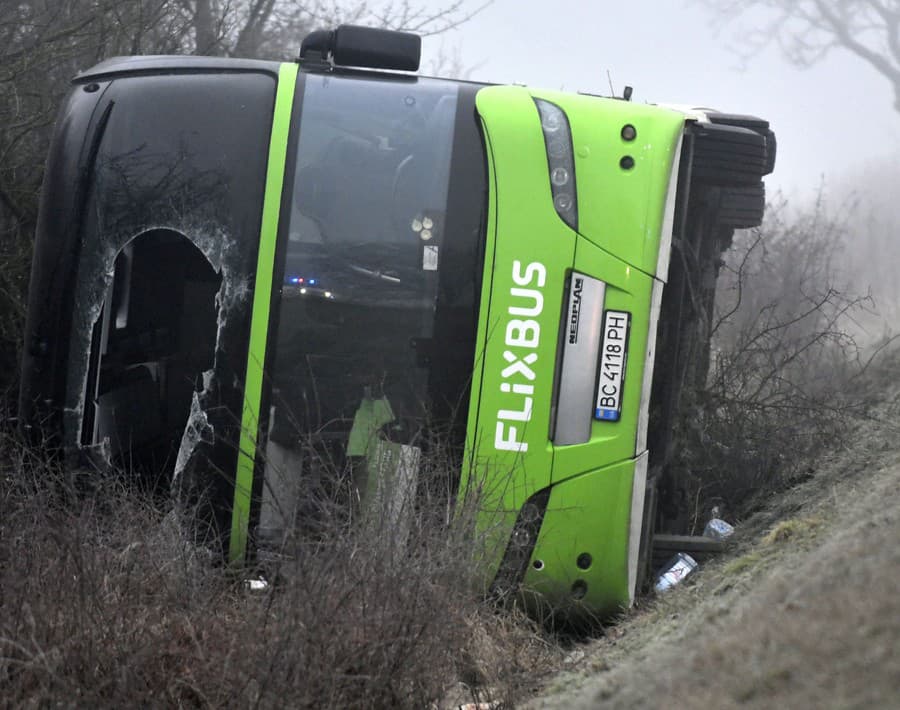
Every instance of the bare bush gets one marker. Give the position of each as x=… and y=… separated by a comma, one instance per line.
x=783, y=361
x=105, y=604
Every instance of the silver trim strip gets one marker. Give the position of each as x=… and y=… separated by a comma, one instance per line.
x=638, y=489
x=668, y=224
x=581, y=348
x=640, y=440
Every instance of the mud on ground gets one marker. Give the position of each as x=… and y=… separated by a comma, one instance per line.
x=802, y=611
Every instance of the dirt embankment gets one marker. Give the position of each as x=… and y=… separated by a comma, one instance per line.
x=803, y=611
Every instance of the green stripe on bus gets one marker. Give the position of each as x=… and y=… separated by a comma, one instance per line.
x=262, y=298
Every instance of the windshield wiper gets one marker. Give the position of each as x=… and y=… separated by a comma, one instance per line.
x=373, y=273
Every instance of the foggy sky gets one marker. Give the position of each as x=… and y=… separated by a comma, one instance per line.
x=831, y=120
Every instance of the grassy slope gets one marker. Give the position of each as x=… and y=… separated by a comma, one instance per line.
x=803, y=612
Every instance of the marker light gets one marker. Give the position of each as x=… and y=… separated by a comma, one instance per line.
x=563, y=202
x=557, y=148
x=551, y=121
x=560, y=160
x=559, y=177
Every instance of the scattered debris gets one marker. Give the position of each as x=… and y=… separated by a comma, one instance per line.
x=256, y=585
x=675, y=571
x=718, y=529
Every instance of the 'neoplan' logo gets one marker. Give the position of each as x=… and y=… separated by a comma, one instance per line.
x=521, y=341
x=575, y=310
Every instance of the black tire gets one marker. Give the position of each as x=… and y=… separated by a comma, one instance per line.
x=758, y=125
x=771, y=151
x=728, y=155
x=741, y=207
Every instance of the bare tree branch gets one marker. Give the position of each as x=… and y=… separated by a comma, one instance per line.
x=808, y=30
x=43, y=43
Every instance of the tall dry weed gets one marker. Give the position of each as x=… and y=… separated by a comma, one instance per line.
x=105, y=603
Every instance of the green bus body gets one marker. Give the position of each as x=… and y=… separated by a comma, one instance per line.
x=593, y=495
x=558, y=465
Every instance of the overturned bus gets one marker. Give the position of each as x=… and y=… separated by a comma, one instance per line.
x=245, y=267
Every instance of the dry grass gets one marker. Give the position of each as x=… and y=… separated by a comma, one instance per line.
x=792, y=530
x=805, y=614
x=741, y=564
x=822, y=633
x=104, y=604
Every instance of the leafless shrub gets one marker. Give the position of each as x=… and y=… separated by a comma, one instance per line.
x=105, y=603
x=783, y=360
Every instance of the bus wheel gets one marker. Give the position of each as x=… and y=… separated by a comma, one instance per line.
x=740, y=207
x=758, y=125
x=728, y=155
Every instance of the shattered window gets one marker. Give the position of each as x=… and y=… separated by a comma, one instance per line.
x=167, y=254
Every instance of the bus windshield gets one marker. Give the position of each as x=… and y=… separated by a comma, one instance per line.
x=379, y=293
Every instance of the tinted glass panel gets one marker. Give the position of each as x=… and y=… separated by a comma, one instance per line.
x=364, y=285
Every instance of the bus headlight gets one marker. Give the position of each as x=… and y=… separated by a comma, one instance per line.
x=560, y=160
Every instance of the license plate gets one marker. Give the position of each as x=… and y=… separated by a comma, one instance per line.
x=613, y=357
